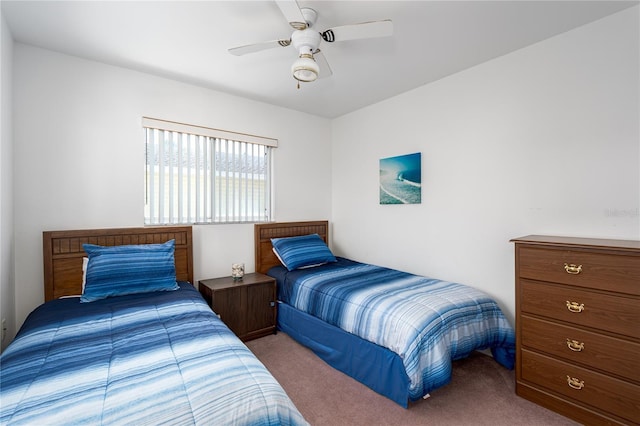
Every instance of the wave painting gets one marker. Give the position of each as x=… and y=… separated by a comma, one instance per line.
x=401, y=179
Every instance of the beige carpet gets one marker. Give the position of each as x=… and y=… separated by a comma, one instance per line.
x=481, y=393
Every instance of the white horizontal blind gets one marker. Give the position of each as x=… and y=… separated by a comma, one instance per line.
x=194, y=178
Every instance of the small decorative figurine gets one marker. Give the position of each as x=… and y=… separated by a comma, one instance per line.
x=237, y=271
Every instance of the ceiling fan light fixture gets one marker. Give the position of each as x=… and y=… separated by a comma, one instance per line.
x=305, y=68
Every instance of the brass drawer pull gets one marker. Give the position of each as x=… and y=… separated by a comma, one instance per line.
x=574, y=345
x=575, y=383
x=572, y=269
x=575, y=307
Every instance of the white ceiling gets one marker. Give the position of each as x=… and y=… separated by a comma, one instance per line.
x=188, y=41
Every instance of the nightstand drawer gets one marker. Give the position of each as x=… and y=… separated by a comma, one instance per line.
x=226, y=303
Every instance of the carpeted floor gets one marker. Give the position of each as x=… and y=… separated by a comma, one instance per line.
x=481, y=393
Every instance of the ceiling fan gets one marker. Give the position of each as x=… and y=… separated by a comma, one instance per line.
x=311, y=63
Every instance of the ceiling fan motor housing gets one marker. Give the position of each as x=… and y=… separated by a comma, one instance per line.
x=306, y=41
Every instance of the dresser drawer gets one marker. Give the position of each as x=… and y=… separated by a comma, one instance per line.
x=580, y=384
x=581, y=307
x=605, y=353
x=610, y=272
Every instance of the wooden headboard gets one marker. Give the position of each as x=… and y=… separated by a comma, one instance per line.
x=63, y=253
x=265, y=258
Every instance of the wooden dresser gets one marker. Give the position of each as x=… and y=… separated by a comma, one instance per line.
x=578, y=327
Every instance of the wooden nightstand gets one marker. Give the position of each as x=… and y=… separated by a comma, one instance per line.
x=248, y=307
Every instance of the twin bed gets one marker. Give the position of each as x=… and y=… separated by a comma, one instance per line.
x=155, y=357
x=395, y=332
x=158, y=354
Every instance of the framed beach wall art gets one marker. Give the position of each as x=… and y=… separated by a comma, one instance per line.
x=401, y=179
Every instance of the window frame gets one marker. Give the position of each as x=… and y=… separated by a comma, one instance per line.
x=234, y=165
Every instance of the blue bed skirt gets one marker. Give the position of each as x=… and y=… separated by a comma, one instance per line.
x=376, y=367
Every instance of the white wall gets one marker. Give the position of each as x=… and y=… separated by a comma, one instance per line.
x=544, y=140
x=7, y=285
x=541, y=141
x=79, y=152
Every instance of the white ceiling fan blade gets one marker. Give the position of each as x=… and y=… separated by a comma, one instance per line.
x=292, y=13
x=358, y=31
x=257, y=47
x=325, y=69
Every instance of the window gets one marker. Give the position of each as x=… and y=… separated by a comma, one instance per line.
x=200, y=175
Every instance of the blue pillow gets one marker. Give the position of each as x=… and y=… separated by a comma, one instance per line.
x=298, y=252
x=129, y=269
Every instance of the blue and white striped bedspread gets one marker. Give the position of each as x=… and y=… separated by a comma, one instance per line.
x=155, y=358
x=427, y=322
